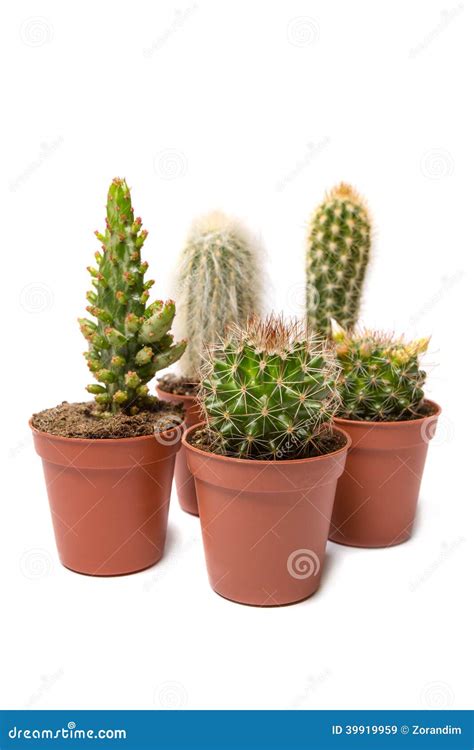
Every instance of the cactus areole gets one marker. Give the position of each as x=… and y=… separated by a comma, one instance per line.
x=129, y=338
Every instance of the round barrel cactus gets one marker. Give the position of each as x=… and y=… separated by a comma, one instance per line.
x=268, y=389
x=381, y=378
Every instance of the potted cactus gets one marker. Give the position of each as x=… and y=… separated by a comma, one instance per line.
x=108, y=463
x=336, y=261
x=218, y=284
x=266, y=461
x=390, y=422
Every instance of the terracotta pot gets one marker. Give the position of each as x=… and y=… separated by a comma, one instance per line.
x=109, y=499
x=377, y=495
x=183, y=478
x=264, y=523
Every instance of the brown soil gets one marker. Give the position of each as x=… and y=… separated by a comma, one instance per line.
x=326, y=442
x=425, y=410
x=80, y=421
x=177, y=385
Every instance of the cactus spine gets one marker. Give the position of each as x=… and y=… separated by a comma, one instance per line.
x=129, y=341
x=268, y=389
x=381, y=379
x=337, y=256
x=218, y=285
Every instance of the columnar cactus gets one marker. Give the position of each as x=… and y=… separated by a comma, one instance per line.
x=268, y=389
x=381, y=379
x=130, y=339
x=218, y=285
x=337, y=256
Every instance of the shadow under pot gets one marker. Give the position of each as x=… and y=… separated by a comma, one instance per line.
x=377, y=495
x=264, y=524
x=183, y=478
x=109, y=499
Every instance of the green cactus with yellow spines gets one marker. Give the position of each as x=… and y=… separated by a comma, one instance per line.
x=381, y=379
x=129, y=341
x=268, y=389
x=218, y=285
x=337, y=256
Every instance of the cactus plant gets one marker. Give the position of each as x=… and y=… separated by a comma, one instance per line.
x=218, y=283
x=130, y=340
x=381, y=378
x=337, y=256
x=268, y=389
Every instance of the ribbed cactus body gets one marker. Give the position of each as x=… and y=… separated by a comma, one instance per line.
x=130, y=339
x=381, y=378
x=218, y=285
x=337, y=256
x=268, y=389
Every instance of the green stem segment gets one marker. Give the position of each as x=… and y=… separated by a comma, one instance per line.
x=129, y=341
x=337, y=256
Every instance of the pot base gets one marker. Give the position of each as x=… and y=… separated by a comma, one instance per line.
x=266, y=606
x=369, y=546
x=112, y=575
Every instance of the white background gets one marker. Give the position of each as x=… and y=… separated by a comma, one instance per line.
x=256, y=108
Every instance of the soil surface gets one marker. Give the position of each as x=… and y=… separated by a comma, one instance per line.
x=80, y=421
x=326, y=442
x=177, y=385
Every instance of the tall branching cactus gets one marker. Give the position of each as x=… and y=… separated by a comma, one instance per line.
x=337, y=256
x=381, y=378
x=130, y=340
x=268, y=389
x=218, y=283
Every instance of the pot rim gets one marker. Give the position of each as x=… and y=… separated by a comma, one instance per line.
x=395, y=423
x=82, y=441
x=178, y=397
x=271, y=462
